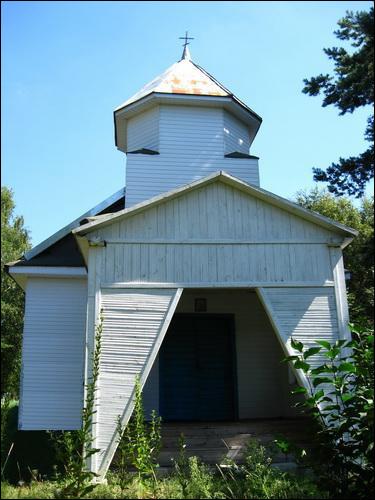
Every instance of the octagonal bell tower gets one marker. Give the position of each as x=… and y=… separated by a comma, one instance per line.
x=180, y=127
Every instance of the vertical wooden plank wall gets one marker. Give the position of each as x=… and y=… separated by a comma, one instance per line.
x=216, y=234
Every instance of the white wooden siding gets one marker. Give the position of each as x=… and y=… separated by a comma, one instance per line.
x=215, y=234
x=134, y=325
x=236, y=135
x=143, y=131
x=191, y=147
x=307, y=315
x=52, y=356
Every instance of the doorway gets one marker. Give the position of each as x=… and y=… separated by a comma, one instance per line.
x=198, y=369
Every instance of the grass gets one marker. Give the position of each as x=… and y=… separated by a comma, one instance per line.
x=255, y=479
x=32, y=450
x=285, y=486
x=30, y=474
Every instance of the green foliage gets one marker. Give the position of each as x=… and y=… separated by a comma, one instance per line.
x=341, y=401
x=14, y=242
x=359, y=255
x=140, y=443
x=122, y=461
x=25, y=451
x=75, y=448
x=352, y=87
x=255, y=479
x=6, y=445
x=258, y=479
x=181, y=466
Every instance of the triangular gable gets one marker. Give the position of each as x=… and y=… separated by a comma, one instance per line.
x=345, y=233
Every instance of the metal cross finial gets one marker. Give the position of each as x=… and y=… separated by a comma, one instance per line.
x=186, y=38
x=186, y=52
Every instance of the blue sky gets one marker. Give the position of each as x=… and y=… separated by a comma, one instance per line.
x=67, y=65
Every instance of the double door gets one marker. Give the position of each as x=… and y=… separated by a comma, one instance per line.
x=197, y=368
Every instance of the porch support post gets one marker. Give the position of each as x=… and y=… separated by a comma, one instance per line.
x=93, y=310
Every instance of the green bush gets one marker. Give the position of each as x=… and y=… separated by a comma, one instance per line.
x=341, y=401
x=258, y=479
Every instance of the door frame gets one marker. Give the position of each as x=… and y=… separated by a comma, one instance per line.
x=232, y=335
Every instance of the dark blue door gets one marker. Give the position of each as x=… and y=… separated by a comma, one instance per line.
x=197, y=373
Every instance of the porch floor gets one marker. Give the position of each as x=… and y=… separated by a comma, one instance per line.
x=213, y=441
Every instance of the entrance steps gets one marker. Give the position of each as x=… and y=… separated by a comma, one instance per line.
x=212, y=442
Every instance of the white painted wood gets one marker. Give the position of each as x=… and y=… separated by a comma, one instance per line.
x=191, y=147
x=135, y=322
x=346, y=233
x=93, y=317
x=143, y=131
x=61, y=272
x=307, y=315
x=215, y=264
x=21, y=274
x=222, y=284
x=236, y=135
x=337, y=263
x=53, y=354
x=213, y=235
x=211, y=241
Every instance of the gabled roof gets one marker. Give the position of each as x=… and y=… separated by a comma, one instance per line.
x=98, y=209
x=347, y=232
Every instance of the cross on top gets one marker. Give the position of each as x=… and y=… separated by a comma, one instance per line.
x=186, y=38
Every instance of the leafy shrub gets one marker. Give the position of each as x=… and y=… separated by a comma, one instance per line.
x=258, y=479
x=341, y=401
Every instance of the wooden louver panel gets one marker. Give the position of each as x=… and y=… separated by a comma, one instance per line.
x=134, y=324
x=306, y=314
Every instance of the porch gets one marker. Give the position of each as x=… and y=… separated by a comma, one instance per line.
x=220, y=361
x=214, y=375
x=213, y=442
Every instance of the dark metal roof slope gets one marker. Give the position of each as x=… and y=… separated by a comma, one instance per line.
x=65, y=252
